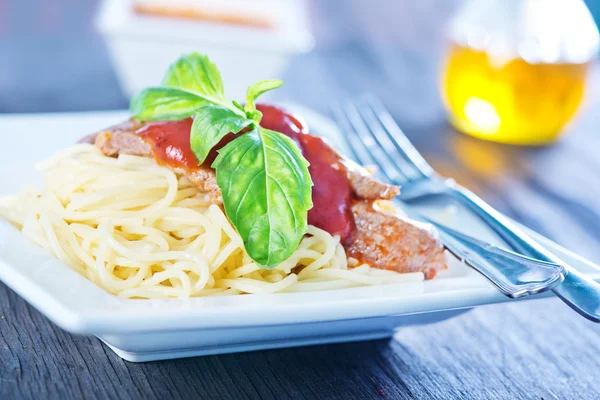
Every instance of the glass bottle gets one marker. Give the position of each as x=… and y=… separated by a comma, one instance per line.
x=516, y=70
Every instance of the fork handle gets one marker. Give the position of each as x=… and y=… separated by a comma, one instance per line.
x=580, y=293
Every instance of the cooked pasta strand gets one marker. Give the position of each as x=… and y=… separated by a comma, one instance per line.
x=140, y=231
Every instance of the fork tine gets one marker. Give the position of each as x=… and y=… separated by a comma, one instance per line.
x=396, y=160
x=359, y=151
x=348, y=135
x=361, y=131
x=398, y=138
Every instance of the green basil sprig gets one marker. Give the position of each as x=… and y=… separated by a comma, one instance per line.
x=266, y=192
x=211, y=124
x=262, y=174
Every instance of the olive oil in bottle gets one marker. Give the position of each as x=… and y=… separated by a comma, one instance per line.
x=515, y=71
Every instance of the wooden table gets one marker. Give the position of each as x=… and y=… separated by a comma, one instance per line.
x=52, y=61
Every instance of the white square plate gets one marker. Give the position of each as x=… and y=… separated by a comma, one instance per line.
x=144, y=330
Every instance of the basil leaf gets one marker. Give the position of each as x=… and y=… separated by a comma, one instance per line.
x=211, y=124
x=196, y=73
x=258, y=88
x=164, y=104
x=266, y=191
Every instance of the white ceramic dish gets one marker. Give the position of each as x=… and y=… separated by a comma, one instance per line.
x=142, y=47
x=144, y=330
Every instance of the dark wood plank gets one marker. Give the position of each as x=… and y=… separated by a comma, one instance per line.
x=531, y=350
x=527, y=350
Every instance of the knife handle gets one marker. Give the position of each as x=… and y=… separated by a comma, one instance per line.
x=580, y=293
x=515, y=275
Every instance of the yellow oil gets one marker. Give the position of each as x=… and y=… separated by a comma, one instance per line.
x=511, y=101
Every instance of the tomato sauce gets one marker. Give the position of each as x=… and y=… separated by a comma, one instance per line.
x=332, y=193
x=170, y=141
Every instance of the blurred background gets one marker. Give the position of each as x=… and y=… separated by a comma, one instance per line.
x=55, y=49
x=512, y=71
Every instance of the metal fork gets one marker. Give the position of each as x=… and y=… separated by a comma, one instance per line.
x=375, y=138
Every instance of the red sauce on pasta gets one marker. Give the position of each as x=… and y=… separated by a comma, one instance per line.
x=331, y=194
x=170, y=141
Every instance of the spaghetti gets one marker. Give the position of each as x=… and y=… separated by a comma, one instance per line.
x=139, y=230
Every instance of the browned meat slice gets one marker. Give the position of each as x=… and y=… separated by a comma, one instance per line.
x=205, y=179
x=115, y=143
x=366, y=186
x=90, y=139
x=122, y=139
x=125, y=131
x=387, y=241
